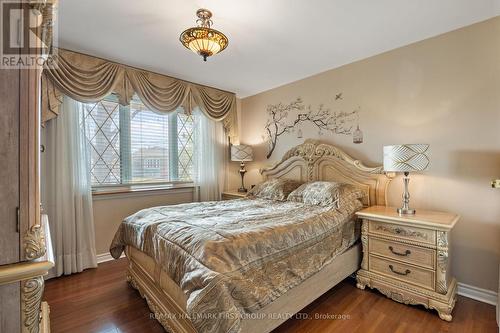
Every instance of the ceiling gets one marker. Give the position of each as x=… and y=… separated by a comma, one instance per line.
x=271, y=42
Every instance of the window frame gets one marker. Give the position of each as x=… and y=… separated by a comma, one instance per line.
x=125, y=185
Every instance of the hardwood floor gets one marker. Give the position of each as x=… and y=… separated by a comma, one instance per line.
x=100, y=300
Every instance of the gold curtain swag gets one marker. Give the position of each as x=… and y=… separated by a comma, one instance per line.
x=90, y=79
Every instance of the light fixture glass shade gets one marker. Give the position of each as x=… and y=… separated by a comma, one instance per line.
x=406, y=157
x=241, y=153
x=204, y=40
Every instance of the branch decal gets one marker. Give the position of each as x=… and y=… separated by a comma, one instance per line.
x=336, y=122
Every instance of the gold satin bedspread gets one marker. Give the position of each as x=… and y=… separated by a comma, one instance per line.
x=233, y=257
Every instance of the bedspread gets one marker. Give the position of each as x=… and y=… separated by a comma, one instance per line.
x=233, y=257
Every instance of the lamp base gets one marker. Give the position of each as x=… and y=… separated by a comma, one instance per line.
x=242, y=174
x=406, y=211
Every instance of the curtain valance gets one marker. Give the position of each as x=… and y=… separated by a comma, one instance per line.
x=89, y=79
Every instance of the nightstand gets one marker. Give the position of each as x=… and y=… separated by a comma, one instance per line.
x=406, y=257
x=233, y=194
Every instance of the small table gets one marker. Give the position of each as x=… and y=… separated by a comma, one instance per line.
x=406, y=258
x=233, y=194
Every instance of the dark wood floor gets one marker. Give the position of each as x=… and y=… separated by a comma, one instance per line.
x=100, y=300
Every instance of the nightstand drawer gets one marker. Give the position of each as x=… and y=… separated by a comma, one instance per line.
x=415, y=275
x=410, y=233
x=415, y=255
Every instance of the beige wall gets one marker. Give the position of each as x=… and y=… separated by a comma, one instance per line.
x=444, y=91
x=110, y=210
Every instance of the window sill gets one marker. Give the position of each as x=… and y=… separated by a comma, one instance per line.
x=136, y=190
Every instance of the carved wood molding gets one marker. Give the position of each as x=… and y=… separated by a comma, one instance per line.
x=421, y=291
x=442, y=262
x=405, y=294
x=312, y=150
x=400, y=297
x=32, y=288
x=34, y=243
x=444, y=309
x=31, y=301
x=403, y=241
x=442, y=239
x=364, y=243
x=406, y=232
x=321, y=161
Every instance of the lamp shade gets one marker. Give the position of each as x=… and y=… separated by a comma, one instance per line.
x=406, y=158
x=241, y=153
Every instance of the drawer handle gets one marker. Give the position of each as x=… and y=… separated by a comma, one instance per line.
x=399, y=273
x=407, y=252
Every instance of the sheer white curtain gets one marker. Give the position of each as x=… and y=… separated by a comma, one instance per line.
x=210, y=156
x=66, y=191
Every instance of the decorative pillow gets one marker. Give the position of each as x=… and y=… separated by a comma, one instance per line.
x=324, y=193
x=274, y=189
x=348, y=193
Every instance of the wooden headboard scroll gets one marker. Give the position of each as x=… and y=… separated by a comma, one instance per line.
x=313, y=160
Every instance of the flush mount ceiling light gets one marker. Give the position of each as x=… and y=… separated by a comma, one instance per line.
x=202, y=39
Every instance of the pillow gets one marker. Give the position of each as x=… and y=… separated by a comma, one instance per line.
x=324, y=193
x=274, y=189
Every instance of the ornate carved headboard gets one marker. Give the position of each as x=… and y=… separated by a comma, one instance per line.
x=313, y=160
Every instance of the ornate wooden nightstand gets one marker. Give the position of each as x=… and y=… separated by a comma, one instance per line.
x=233, y=194
x=406, y=257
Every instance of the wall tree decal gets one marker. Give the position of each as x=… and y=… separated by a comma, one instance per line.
x=278, y=124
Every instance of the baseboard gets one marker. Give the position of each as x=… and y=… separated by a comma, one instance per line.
x=103, y=257
x=479, y=294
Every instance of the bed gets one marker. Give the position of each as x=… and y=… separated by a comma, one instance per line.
x=212, y=262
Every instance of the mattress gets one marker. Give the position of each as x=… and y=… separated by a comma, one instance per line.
x=232, y=258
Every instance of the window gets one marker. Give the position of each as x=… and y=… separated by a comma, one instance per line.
x=133, y=145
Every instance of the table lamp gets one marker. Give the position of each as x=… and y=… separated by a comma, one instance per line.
x=241, y=153
x=406, y=158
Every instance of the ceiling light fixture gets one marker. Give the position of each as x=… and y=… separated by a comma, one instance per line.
x=202, y=39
